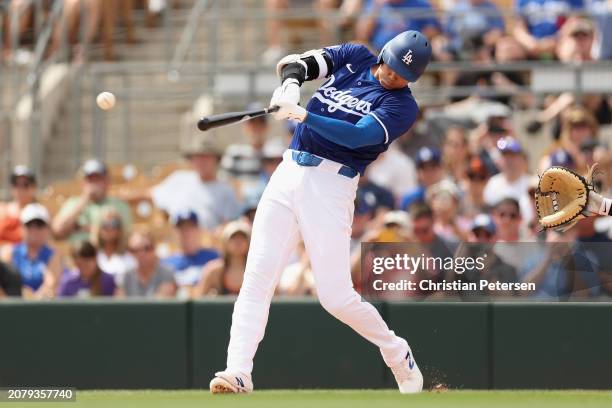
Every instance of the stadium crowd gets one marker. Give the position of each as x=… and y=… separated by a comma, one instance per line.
x=459, y=175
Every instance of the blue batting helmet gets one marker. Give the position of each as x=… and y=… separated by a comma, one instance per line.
x=407, y=54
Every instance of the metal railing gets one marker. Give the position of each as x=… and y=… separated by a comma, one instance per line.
x=187, y=37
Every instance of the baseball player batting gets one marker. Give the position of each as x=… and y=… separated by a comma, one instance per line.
x=362, y=107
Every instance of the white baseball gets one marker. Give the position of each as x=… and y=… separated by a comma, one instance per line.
x=105, y=100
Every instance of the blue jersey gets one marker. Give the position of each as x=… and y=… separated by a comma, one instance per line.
x=188, y=268
x=398, y=16
x=545, y=17
x=350, y=93
x=32, y=271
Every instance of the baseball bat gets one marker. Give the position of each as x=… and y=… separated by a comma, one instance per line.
x=223, y=119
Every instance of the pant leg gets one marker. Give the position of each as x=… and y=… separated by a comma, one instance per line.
x=273, y=238
x=325, y=212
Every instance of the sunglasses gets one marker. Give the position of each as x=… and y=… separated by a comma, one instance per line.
x=36, y=224
x=111, y=224
x=511, y=215
x=144, y=248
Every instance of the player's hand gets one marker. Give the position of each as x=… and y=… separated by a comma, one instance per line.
x=289, y=109
x=289, y=91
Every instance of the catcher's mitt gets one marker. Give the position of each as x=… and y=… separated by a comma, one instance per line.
x=564, y=197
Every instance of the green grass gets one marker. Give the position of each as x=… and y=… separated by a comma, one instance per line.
x=333, y=398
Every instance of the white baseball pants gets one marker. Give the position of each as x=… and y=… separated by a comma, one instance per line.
x=318, y=203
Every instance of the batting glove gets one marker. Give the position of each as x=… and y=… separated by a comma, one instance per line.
x=289, y=91
x=287, y=98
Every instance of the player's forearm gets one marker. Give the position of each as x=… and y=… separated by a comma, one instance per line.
x=367, y=132
x=66, y=222
x=311, y=65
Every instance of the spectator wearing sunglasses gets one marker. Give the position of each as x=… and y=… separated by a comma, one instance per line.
x=34, y=258
x=562, y=267
x=87, y=280
x=109, y=236
x=150, y=278
x=513, y=180
x=429, y=172
x=23, y=192
x=507, y=219
x=432, y=245
x=482, y=237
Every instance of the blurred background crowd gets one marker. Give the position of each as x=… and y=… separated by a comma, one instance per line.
x=465, y=172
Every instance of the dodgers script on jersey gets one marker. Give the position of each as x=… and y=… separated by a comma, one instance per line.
x=350, y=93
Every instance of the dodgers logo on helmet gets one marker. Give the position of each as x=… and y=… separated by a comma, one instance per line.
x=407, y=54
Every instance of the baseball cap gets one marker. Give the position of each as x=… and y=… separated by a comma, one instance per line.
x=94, y=166
x=580, y=116
x=234, y=227
x=444, y=186
x=477, y=168
x=509, y=145
x=581, y=26
x=399, y=218
x=22, y=171
x=561, y=158
x=485, y=222
x=427, y=154
x=34, y=211
x=364, y=206
x=184, y=216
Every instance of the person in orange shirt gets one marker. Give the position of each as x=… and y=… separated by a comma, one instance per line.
x=23, y=192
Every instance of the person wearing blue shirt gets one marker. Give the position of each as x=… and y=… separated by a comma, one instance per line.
x=34, y=258
x=187, y=264
x=539, y=22
x=364, y=105
x=429, y=171
x=383, y=20
x=563, y=268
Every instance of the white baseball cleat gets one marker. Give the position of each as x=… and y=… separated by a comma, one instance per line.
x=408, y=376
x=231, y=383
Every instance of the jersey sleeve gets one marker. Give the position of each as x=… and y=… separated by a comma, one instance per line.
x=349, y=53
x=396, y=116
